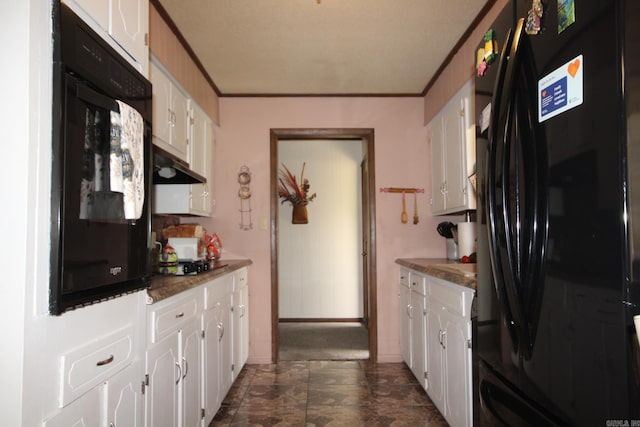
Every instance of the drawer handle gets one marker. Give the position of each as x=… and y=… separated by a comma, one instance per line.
x=179, y=315
x=105, y=361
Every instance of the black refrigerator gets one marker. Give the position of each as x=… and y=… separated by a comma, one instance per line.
x=558, y=133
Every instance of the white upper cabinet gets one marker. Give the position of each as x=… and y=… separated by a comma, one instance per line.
x=129, y=26
x=452, y=137
x=171, y=114
x=124, y=24
x=190, y=199
x=202, y=149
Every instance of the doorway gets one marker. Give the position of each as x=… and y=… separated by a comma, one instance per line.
x=366, y=136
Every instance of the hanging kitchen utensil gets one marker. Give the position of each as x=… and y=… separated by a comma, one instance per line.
x=415, y=208
x=403, y=217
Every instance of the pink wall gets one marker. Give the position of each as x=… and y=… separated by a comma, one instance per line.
x=461, y=68
x=402, y=160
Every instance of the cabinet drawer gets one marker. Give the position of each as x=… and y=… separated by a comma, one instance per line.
x=454, y=298
x=404, y=277
x=85, y=367
x=216, y=290
x=169, y=317
x=240, y=278
x=418, y=283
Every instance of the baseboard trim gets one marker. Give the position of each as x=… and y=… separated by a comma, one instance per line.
x=320, y=319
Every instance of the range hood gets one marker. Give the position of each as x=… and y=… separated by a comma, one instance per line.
x=168, y=169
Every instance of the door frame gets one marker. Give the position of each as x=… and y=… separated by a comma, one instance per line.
x=366, y=135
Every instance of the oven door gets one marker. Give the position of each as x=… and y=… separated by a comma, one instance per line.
x=100, y=253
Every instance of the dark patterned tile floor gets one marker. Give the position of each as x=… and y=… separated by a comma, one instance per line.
x=327, y=393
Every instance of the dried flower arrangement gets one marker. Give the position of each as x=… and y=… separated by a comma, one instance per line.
x=290, y=191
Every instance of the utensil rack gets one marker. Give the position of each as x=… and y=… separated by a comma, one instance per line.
x=407, y=190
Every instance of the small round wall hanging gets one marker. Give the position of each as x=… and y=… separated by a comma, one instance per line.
x=244, y=193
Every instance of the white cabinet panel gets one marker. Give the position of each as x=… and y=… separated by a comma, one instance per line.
x=452, y=137
x=173, y=362
x=191, y=375
x=171, y=114
x=123, y=24
x=405, y=325
x=162, y=393
x=212, y=353
x=191, y=349
x=129, y=26
x=123, y=398
x=240, y=320
x=86, y=366
x=435, y=319
x=189, y=199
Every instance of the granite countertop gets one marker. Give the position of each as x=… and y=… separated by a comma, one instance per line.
x=163, y=287
x=442, y=268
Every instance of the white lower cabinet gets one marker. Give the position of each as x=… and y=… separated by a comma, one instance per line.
x=218, y=353
x=405, y=318
x=413, y=323
x=122, y=397
x=172, y=363
x=212, y=325
x=191, y=413
x=99, y=359
x=163, y=375
x=190, y=353
x=418, y=327
x=439, y=334
x=240, y=310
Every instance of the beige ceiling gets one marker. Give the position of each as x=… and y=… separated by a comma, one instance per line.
x=323, y=47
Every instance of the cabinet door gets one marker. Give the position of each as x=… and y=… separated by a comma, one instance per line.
x=171, y=114
x=457, y=370
x=436, y=137
x=212, y=327
x=181, y=123
x=405, y=325
x=455, y=150
x=418, y=337
x=123, y=398
x=162, y=114
x=191, y=374
x=435, y=384
x=198, y=155
x=240, y=329
x=201, y=161
x=226, y=345
x=164, y=370
x=129, y=27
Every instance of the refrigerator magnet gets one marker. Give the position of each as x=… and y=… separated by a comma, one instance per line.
x=561, y=90
x=566, y=14
x=534, y=18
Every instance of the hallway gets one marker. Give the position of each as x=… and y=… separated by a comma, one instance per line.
x=323, y=341
x=327, y=393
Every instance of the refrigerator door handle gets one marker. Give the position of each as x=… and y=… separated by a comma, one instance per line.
x=520, y=160
x=494, y=178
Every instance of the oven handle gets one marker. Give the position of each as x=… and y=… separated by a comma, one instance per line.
x=89, y=95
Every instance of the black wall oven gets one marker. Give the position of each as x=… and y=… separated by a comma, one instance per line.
x=100, y=218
